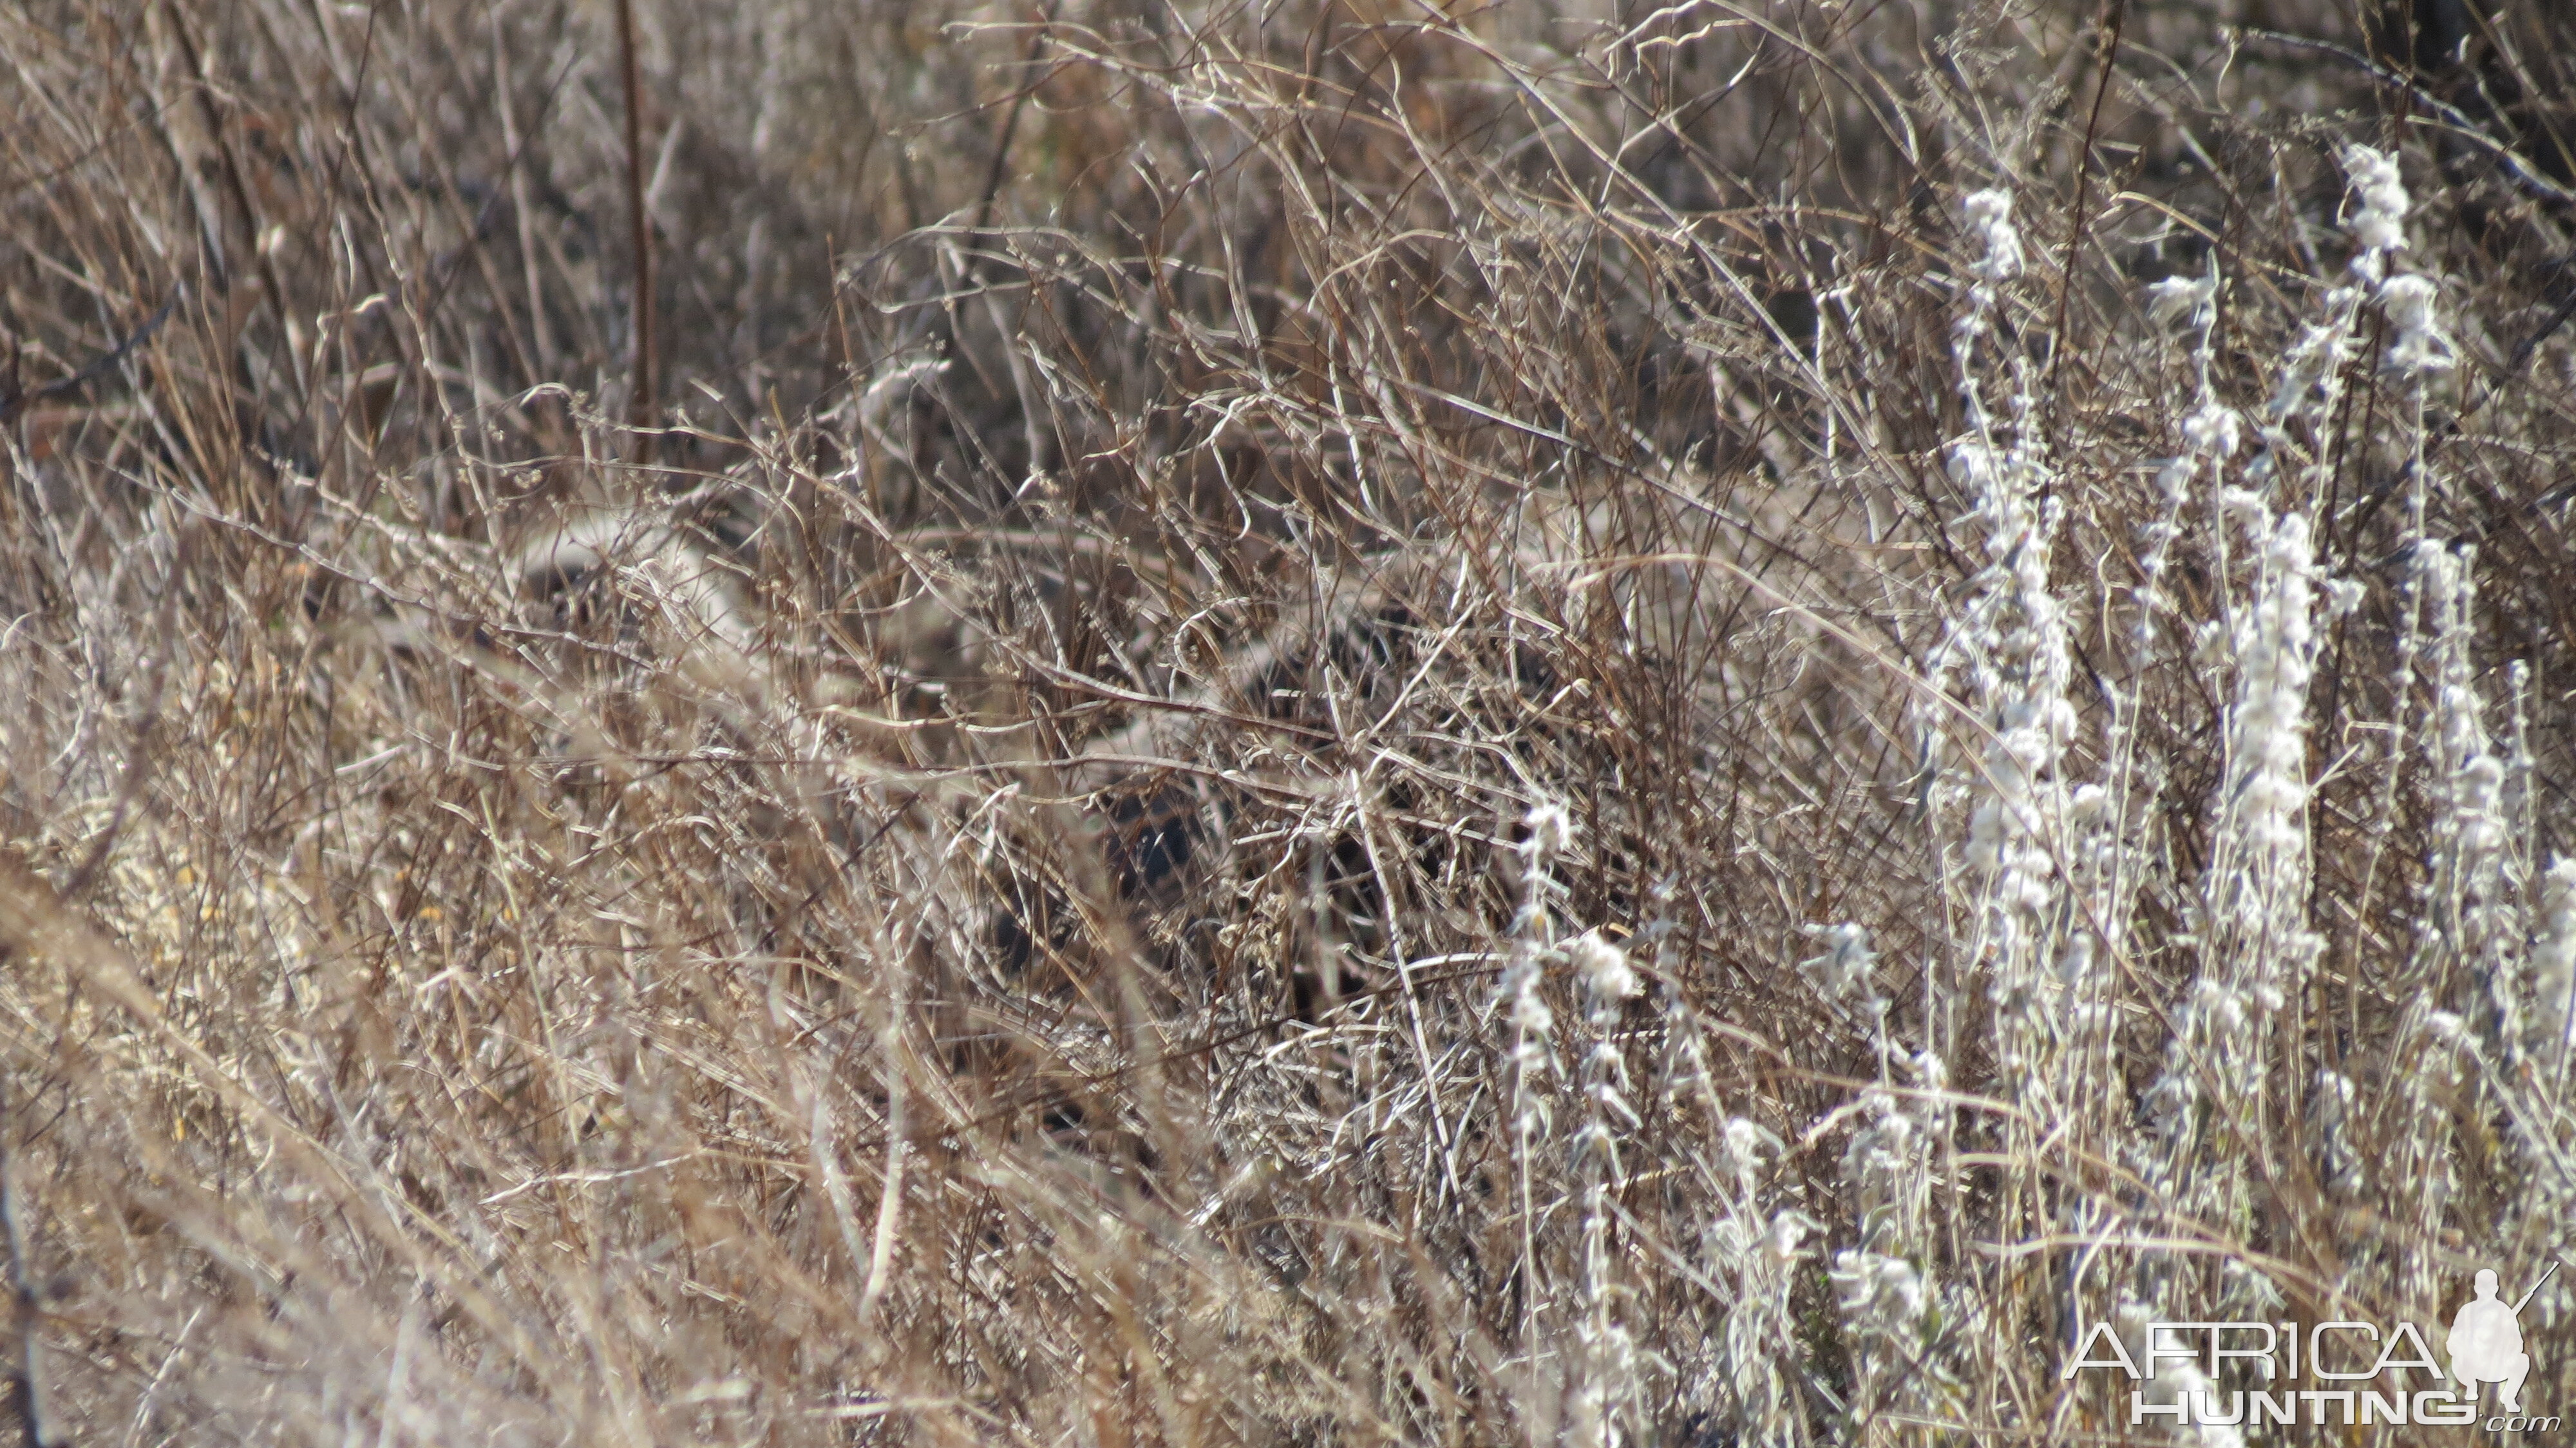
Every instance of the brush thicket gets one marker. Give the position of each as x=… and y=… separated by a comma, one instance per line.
x=1346, y=723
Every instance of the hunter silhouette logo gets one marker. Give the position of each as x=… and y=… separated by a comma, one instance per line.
x=2341, y=1373
x=2486, y=1340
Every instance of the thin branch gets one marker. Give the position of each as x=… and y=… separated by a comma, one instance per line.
x=646, y=385
x=15, y=402
x=2110, y=47
x=27, y=1372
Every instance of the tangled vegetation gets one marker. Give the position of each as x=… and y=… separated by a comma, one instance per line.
x=1334, y=722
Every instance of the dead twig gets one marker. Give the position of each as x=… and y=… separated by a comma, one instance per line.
x=18, y=401
x=646, y=384
x=27, y=1371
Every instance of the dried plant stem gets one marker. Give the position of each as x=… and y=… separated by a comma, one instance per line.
x=646, y=385
x=28, y=1370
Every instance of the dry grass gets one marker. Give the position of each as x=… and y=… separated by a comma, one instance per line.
x=1335, y=723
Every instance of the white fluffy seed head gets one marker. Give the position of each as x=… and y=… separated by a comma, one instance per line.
x=2214, y=429
x=1551, y=833
x=1602, y=968
x=2420, y=347
x=1990, y=216
x=1844, y=969
x=2379, y=223
x=2193, y=300
x=1530, y=1015
x=1789, y=1231
x=2553, y=961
